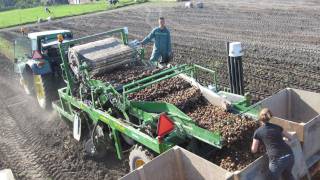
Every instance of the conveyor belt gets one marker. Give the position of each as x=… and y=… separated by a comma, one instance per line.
x=101, y=55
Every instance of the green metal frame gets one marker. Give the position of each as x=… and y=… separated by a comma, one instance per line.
x=186, y=127
x=117, y=125
x=214, y=74
x=147, y=112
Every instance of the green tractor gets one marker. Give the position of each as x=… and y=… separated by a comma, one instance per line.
x=37, y=61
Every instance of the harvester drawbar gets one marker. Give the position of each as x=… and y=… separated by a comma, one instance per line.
x=109, y=115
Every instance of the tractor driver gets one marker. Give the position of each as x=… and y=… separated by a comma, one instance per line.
x=281, y=158
x=162, y=43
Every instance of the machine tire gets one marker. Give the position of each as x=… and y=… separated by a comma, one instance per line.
x=138, y=157
x=43, y=87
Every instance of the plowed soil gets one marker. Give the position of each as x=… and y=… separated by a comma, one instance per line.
x=281, y=38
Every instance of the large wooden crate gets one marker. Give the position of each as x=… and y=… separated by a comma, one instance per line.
x=180, y=164
x=299, y=111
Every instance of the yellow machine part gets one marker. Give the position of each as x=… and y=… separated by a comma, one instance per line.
x=39, y=89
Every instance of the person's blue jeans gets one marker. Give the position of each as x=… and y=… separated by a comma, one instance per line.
x=282, y=167
x=156, y=55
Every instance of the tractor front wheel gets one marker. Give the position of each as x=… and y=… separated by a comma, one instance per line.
x=43, y=90
x=138, y=157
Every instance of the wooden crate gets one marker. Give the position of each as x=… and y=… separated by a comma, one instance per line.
x=299, y=111
x=180, y=164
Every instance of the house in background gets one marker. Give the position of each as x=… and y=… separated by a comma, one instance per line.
x=50, y=2
x=80, y=1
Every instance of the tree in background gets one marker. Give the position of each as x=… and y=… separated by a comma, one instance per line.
x=4, y=4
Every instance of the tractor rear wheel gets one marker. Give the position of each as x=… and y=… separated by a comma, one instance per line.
x=43, y=86
x=138, y=157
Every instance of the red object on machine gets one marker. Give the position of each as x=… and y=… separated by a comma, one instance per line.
x=36, y=54
x=165, y=125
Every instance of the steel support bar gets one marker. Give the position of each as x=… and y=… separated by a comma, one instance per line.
x=153, y=76
x=204, y=68
x=62, y=112
x=214, y=73
x=117, y=143
x=66, y=68
x=139, y=87
x=122, y=31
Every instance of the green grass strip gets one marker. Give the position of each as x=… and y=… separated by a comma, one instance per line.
x=30, y=15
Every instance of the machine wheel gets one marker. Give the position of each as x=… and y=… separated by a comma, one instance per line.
x=43, y=90
x=138, y=157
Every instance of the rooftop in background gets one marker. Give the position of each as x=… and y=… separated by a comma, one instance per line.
x=79, y=1
x=44, y=33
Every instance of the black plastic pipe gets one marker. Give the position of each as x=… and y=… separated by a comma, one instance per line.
x=241, y=76
x=229, y=68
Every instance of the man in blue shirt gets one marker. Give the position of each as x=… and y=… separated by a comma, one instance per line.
x=162, y=42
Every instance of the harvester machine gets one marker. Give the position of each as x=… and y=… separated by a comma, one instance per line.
x=111, y=118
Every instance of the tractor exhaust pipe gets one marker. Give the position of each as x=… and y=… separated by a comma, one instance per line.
x=235, y=68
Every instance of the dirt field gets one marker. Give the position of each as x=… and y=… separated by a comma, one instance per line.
x=281, y=40
x=37, y=145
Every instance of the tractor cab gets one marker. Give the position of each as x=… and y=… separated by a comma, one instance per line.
x=37, y=60
x=38, y=46
x=46, y=43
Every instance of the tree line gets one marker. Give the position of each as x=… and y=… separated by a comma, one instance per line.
x=8, y=4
